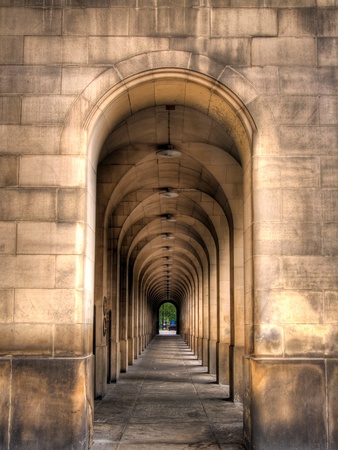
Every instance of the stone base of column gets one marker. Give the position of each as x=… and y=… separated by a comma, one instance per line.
x=223, y=358
x=287, y=401
x=46, y=403
x=236, y=373
x=131, y=350
x=100, y=371
x=212, y=357
x=205, y=355
x=199, y=348
x=124, y=355
x=136, y=347
x=115, y=362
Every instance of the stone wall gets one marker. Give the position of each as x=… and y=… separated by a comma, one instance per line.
x=281, y=61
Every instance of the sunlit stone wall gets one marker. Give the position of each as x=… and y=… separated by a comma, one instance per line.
x=50, y=52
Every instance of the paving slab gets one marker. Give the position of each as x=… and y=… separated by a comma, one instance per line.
x=167, y=401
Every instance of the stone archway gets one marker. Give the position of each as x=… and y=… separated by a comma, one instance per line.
x=128, y=89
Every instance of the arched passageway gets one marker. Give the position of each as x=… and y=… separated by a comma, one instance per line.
x=169, y=220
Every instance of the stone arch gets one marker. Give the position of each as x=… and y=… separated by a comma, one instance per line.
x=217, y=91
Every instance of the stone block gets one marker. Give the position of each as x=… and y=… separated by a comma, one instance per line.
x=76, y=78
x=63, y=170
x=329, y=171
x=288, y=418
x=27, y=204
x=268, y=205
x=327, y=52
x=50, y=238
x=26, y=339
x=332, y=389
x=272, y=3
x=329, y=199
x=71, y=205
x=73, y=340
x=268, y=340
x=8, y=171
x=288, y=307
x=185, y=21
x=249, y=22
x=7, y=238
x=306, y=272
x=265, y=80
x=6, y=305
x=30, y=79
x=267, y=273
x=107, y=50
x=279, y=172
x=297, y=22
x=330, y=239
x=30, y=21
x=308, y=140
x=56, y=306
x=288, y=238
x=47, y=109
x=21, y=139
x=10, y=110
x=331, y=307
x=305, y=340
x=295, y=110
x=311, y=81
x=328, y=110
x=5, y=399
x=11, y=49
x=30, y=271
x=283, y=51
x=60, y=410
x=69, y=272
x=328, y=22
x=55, y=50
x=96, y=21
x=298, y=206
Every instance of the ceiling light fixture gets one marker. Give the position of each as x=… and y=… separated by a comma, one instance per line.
x=168, y=193
x=168, y=150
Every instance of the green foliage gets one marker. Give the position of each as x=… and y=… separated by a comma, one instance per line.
x=167, y=314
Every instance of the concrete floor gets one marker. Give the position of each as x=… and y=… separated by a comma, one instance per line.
x=167, y=401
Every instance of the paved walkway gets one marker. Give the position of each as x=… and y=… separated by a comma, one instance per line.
x=167, y=401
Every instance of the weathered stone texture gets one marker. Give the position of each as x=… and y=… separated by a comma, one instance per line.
x=11, y=49
x=26, y=339
x=278, y=419
x=312, y=81
x=327, y=52
x=244, y=22
x=19, y=139
x=61, y=389
x=50, y=238
x=107, y=50
x=308, y=140
x=30, y=21
x=33, y=271
x=5, y=377
x=332, y=371
x=30, y=80
x=32, y=204
x=6, y=305
x=66, y=171
x=283, y=51
x=109, y=22
x=45, y=110
x=55, y=50
x=10, y=110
